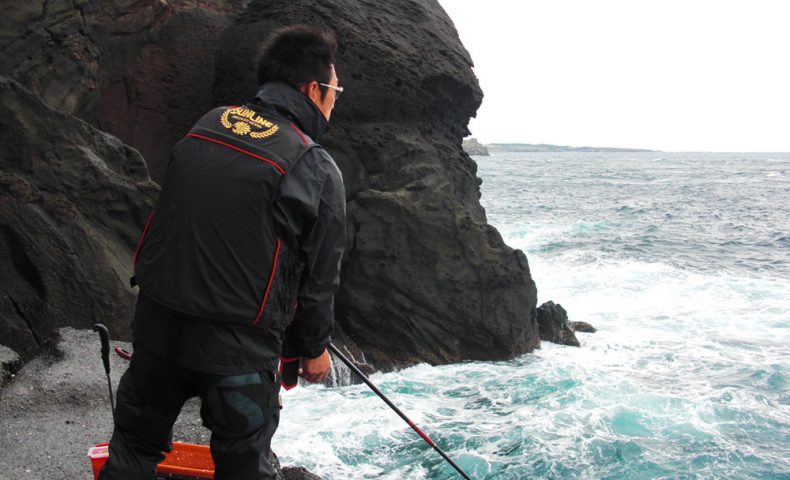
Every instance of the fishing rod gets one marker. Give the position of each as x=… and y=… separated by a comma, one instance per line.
x=406, y=419
x=126, y=355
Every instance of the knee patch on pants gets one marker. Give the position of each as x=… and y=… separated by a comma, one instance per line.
x=238, y=405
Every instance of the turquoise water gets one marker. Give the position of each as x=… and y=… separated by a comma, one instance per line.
x=682, y=261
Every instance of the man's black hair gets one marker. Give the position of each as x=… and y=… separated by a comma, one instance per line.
x=298, y=54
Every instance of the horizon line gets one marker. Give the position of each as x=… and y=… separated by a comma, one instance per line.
x=628, y=148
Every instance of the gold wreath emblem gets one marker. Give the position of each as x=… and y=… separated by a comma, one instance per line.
x=241, y=128
x=247, y=122
x=266, y=133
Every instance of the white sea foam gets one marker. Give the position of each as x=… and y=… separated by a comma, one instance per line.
x=688, y=375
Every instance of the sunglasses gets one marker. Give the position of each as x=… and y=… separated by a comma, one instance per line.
x=338, y=90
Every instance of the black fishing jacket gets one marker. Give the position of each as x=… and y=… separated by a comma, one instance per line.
x=249, y=230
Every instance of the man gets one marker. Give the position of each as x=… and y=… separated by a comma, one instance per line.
x=240, y=258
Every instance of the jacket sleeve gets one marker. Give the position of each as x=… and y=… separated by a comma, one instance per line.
x=310, y=213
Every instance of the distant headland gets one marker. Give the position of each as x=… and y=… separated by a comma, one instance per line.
x=473, y=147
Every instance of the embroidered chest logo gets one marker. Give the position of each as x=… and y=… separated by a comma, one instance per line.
x=244, y=121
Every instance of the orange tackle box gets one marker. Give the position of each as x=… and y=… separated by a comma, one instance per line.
x=187, y=461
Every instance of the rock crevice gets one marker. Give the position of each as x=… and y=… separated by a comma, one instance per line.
x=425, y=279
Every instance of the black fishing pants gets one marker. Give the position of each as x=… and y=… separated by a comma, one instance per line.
x=242, y=412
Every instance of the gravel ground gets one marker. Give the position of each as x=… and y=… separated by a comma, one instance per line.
x=57, y=406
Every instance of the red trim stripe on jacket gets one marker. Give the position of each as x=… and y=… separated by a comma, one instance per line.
x=269, y=286
x=296, y=129
x=246, y=152
x=142, y=237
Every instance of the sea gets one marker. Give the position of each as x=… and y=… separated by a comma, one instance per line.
x=682, y=263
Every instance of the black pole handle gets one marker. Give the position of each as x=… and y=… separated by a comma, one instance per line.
x=402, y=415
x=104, y=336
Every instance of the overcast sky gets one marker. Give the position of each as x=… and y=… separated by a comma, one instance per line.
x=674, y=75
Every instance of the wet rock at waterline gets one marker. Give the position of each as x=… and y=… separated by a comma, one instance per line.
x=583, y=327
x=554, y=325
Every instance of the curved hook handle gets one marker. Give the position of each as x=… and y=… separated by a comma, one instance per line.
x=104, y=335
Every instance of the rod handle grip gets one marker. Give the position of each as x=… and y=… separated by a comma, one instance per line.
x=104, y=336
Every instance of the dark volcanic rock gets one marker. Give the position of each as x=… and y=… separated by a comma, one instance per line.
x=473, y=147
x=583, y=327
x=554, y=325
x=72, y=203
x=425, y=278
x=141, y=70
x=10, y=363
x=298, y=473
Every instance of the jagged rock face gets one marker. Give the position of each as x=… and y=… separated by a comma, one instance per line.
x=141, y=70
x=424, y=278
x=72, y=200
x=554, y=325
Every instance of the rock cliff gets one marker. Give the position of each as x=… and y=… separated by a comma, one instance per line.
x=425, y=277
x=72, y=200
x=473, y=147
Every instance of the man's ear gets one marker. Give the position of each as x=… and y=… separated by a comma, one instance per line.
x=309, y=89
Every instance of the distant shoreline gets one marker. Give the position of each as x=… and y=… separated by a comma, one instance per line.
x=475, y=148
x=542, y=147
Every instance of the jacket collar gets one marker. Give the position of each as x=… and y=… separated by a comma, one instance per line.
x=291, y=103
